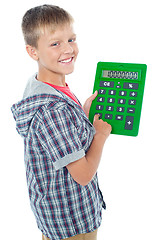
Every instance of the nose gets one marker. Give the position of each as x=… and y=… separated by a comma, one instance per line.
x=67, y=48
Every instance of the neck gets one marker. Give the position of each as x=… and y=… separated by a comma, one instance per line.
x=50, y=77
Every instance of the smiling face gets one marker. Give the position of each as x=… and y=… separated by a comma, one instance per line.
x=56, y=54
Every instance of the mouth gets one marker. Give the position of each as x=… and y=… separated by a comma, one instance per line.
x=67, y=60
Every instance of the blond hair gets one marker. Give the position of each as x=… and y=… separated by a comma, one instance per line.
x=38, y=18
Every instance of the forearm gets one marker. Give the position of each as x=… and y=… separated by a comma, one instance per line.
x=84, y=169
x=94, y=153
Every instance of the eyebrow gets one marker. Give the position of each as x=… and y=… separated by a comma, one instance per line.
x=56, y=39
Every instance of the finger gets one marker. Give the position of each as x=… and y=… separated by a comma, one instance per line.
x=96, y=117
x=93, y=96
x=95, y=93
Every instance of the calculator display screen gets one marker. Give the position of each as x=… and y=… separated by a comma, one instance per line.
x=120, y=74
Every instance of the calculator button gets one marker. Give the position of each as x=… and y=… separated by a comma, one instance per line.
x=130, y=85
x=131, y=110
x=122, y=93
x=118, y=86
x=109, y=108
x=111, y=100
x=119, y=117
x=129, y=123
x=112, y=92
x=108, y=116
x=133, y=94
x=106, y=84
x=99, y=107
x=132, y=102
x=102, y=91
x=100, y=99
x=120, y=109
x=121, y=101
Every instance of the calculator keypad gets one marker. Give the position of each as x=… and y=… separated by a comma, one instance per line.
x=121, y=108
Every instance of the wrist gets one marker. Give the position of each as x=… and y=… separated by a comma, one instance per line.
x=101, y=137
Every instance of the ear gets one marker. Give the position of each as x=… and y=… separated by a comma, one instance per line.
x=32, y=51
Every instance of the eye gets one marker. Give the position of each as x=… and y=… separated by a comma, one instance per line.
x=55, y=44
x=72, y=40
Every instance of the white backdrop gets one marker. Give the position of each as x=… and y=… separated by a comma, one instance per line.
x=129, y=173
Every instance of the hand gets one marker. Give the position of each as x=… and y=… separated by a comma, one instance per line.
x=101, y=127
x=88, y=102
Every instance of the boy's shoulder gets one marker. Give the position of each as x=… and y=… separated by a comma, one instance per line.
x=38, y=99
x=40, y=93
x=37, y=94
x=35, y=87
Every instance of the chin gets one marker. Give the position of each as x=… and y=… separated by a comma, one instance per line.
x=69, y=72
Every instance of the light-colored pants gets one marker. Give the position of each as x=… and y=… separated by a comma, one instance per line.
x=84, y=236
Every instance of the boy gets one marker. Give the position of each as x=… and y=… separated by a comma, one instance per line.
x=62, y=148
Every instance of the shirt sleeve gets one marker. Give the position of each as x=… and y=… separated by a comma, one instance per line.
x=60, y=136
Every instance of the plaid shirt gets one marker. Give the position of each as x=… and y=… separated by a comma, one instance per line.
x=57, y=132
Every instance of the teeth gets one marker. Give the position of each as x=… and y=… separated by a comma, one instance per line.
x=67, y=60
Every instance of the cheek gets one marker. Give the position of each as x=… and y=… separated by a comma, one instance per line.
x=49, y=57
x=76, y=50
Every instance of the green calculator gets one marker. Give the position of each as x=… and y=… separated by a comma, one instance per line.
x=120, y=89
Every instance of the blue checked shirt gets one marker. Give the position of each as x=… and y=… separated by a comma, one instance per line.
x=57, y=132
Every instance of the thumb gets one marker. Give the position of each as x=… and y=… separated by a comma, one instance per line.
x=88, y=103
x=92, y=97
